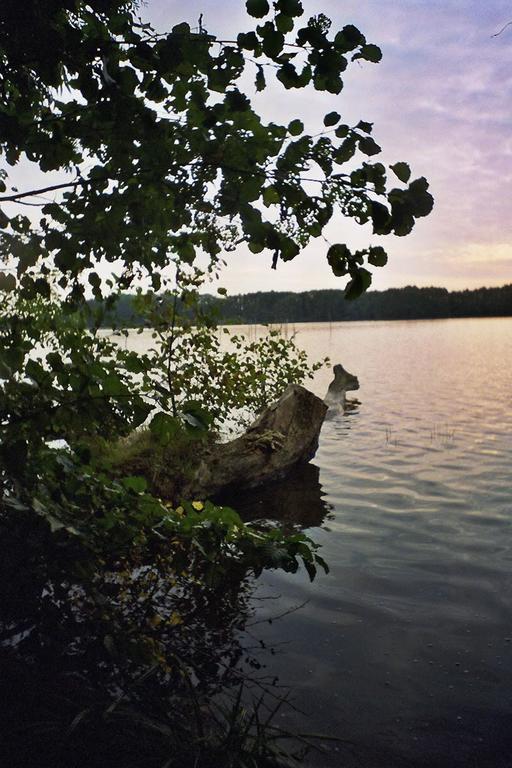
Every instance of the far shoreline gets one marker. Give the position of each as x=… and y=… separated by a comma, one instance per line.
x=330, y=306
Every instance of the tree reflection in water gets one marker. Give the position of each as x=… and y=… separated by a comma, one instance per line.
x=143, y=675
x=298, y=500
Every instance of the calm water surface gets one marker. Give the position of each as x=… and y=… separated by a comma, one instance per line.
x=405, y=648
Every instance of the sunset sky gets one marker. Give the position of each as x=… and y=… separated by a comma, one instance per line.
x=441, y=99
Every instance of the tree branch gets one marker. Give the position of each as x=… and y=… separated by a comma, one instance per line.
x=508, y=24
x=35, y=192
x=243, y=171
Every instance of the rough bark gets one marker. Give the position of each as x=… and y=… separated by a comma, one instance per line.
x=284, y=436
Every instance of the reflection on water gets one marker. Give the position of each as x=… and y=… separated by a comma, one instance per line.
x=298, y=501
x=405, y=648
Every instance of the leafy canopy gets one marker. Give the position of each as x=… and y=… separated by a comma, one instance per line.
x=160, y=154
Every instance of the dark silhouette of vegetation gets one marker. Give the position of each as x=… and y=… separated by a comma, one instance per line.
x=408, y=303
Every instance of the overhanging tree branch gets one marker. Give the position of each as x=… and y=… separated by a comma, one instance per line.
x=221, y=167
x=35, y=192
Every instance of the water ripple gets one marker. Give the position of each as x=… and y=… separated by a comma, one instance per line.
x=406, y=647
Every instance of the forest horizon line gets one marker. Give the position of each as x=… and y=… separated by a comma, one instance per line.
x=330, y=305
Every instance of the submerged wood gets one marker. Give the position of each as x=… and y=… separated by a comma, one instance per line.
x=343, y=382
x=298, y=501
x=283, y=436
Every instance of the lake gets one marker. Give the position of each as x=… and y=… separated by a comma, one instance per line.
x=405, y=648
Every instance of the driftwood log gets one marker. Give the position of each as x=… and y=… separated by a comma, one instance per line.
x=283, y=439
x=343, y=382
x=284, y=436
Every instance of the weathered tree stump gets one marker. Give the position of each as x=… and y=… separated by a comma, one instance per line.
x=283, y=436
x=343, y=382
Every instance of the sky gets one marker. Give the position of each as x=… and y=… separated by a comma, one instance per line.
x=441, y=99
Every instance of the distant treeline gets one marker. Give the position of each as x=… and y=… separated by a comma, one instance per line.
x=408, y=303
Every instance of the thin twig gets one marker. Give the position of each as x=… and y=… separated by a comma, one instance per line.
x=279, y=616
x=37, y=192
x=170, y=346
x=508, y=24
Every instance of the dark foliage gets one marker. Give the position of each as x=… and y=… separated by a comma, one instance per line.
x=408, y=303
